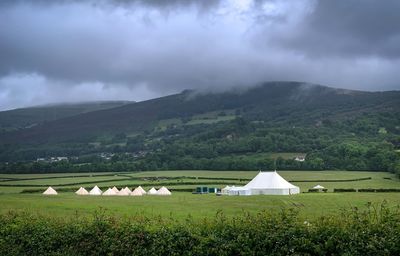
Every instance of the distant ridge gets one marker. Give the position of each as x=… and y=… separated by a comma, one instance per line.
x=20, y=118
x=291, y=103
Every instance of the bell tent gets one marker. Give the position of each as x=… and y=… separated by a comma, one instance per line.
x=163, y=191
x=95, y=191
x=109, y=192
x=50, y=191
x=152, y=191
x=82, y=191
x=141, y=190
x=136, y=192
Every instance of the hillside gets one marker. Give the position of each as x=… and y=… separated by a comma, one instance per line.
x=265, y=126
x=32, y=116
x=284, y=102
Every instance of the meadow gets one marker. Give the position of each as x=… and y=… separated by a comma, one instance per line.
x=183, y=204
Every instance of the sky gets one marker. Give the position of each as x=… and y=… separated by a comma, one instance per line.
x=84, y=50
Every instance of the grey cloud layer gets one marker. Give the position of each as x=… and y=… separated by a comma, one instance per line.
x=138, y=49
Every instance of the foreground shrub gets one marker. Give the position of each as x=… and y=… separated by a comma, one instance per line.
x=373, y=231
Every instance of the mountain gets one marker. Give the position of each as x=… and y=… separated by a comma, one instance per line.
x=289, y=102
x=28, y=117
x=265, y=126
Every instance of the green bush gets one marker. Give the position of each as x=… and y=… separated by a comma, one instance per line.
x=373, y=231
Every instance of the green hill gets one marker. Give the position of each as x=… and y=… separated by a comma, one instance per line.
x=265, y=126
x=22, y=118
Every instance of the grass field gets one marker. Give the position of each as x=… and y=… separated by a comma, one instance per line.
x=182, y=204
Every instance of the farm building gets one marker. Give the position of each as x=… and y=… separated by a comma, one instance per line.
x=266, y=183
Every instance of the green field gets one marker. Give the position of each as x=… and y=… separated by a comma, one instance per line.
x=182, y=204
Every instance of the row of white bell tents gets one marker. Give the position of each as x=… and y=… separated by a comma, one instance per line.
x=139, y=191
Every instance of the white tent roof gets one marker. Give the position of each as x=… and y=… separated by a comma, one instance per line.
x=152, y=191
x=318, y=187
x=50, y=191
x=82, y=191
x=115, y=189
x=141, y=190
x=269, y=180
x=95, y=191
x=163, y=191
x=136, y=192
x=127, y=190
x=109, y=192
x=124, y=192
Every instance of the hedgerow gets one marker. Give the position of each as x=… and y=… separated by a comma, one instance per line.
x=373, y=231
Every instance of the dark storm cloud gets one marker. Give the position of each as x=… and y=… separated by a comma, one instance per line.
x=348, y=28
x=119, y=49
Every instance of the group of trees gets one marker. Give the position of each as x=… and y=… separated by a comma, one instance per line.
x=228, y=145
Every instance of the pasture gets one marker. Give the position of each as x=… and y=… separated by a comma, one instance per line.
x=183, y=203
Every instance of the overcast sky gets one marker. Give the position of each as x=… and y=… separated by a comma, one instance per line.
x=62, y=51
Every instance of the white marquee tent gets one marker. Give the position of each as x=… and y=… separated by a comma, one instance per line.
x=82, y=191
x=318, y=187
x=50, y=191
x=163, y=191
x=95, y=191
x=152, y=191
x=270, y=183
x=109, y=192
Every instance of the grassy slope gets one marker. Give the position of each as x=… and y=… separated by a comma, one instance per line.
x=25, y=117
x=182, y=204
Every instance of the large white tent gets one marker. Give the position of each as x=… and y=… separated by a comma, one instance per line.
x=82, y=191
x=95, y=191
x=109, y=192
x=163, y=191
x=270, y=183
x=50, y=191
x=152, y=191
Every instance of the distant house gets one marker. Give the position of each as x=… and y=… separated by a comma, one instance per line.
x=300, y=158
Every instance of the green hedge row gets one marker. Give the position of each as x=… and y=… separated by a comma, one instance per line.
x=369, y=232
x=315, y=190
x=385, y=190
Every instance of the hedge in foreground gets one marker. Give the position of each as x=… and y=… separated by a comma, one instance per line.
x=355, y=232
